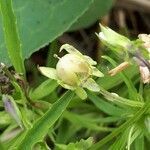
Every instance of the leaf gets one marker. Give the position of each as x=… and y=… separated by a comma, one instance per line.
x=96, y=10
x=5, y=119
x=11, y=35
x=131, y=88
x=85, y=121
x=48, y=72
x=106, y=107
x=41, y=22
x=120, y=129
x=81, y=145
x=41, y=127
x=139, y=143
x=110, y=82
x=120, y=141
x=44, y=89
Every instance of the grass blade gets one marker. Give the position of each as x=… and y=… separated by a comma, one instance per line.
x=120, y=129
x=40, y=128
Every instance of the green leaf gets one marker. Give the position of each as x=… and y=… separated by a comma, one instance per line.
x=131, y=88
x=81, y=145
x=110, y=82
x=41, y=127
x=41, y=22
x=5, y=119
x=85, y=121
x=48, y=72
x=120, y=129
x=96, y=10
x=12, y=40
x=120, y=141
x=106, y=107
x=139, y=143
x=44, y=89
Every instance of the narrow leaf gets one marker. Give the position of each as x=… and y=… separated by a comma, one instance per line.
x=41, y=127
x=11, y=35
x=43, y=89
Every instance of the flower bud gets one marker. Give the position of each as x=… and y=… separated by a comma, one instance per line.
x=72, y=69
x=146, y=41
x=11, y=107
x=113, y=38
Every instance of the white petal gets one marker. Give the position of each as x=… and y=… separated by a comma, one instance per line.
x=96, y=72
x=70, y=49
x=91, y=85
x=90, y=60
x=48, y=72
x=66, y=86
x=102, y=36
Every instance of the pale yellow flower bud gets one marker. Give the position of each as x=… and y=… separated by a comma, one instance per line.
x=72, y=69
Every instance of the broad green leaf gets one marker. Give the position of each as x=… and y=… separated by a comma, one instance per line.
x=12, y=40
x=41, y=126
x=98, y=9
x=43, y=21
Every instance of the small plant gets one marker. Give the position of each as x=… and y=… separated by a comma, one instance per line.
x=77, y=107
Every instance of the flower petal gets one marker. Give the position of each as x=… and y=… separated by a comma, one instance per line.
x=66, y=86
x=70, y=49
x=81, y=93
x=96, y=72
x=90, y=60
x=48, y=72
x=91, y=85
